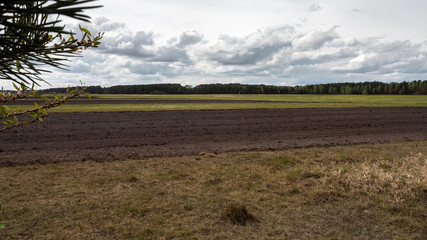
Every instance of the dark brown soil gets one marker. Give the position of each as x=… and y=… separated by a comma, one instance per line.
x=149, y=101
x=139, y=135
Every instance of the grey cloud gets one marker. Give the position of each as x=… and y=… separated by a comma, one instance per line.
x=103, y=24
x=153, y=69
x=251, y=49
x=418, y=66
x=316, y=39
x=264, y=45
x=146, y=46
x=230, y=40
x=130, y=49
x=394, y=46
x=371, y=57
x=170, y=54
x=128, y=44
x=314, y=7
x=302, y=59
x=144, y=38
x=384, y=58
x=80, y=67
x=250, y=56
x=189, y=38
x=184, y=40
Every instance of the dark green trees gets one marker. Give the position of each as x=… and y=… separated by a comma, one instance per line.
x=403, y=88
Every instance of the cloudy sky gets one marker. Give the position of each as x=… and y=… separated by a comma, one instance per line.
x=278, y=42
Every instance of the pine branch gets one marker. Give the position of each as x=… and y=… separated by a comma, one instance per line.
x=39, y=113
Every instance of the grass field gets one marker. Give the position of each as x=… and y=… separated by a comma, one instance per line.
x=353, y=192
x=372, y=99
x=267, y=101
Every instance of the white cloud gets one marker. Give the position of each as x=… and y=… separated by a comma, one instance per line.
x=279, y=55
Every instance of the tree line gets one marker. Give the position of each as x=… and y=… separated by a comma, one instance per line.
x=363, y=88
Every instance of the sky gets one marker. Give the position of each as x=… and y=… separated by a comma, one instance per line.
x=275, y=42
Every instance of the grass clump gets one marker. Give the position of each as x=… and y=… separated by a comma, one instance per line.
x=238, y=214
x=285, y=160
x=398, y=180
x=133, y=179
x=295, y=189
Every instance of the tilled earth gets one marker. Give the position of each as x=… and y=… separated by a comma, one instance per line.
x=138, y=135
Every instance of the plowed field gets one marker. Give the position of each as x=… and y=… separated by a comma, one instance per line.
x=139, y=135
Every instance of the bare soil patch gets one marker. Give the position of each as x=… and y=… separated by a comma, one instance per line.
x=149, y=101
x=139, y=135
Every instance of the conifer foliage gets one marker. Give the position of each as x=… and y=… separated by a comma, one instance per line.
x=32, y=39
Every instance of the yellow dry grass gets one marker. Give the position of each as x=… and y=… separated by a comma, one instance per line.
x=353, y=192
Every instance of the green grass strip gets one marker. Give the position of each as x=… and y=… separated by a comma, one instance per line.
x=269, y=101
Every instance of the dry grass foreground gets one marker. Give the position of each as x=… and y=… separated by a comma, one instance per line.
x=353, y=192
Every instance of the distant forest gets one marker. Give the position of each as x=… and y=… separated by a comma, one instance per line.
x=364, y=88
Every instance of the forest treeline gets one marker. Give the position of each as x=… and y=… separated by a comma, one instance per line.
x=403, y=88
